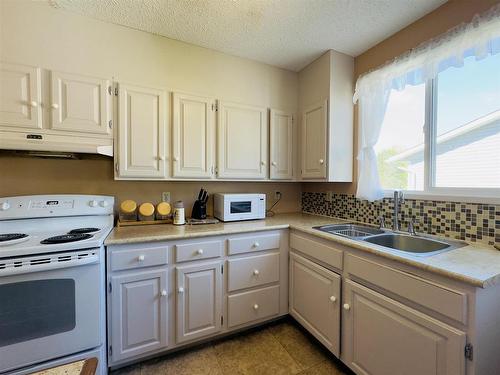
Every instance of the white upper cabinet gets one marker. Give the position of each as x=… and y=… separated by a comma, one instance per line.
x=193, y=136
x=20, y=96
x=281, y=145
x=314, y=133
x=242, y=147
x=80, y=103
x=142, y=132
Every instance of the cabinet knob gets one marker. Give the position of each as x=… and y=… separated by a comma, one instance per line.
x=256, y=272
x=200, y=252
x=34, y=104
x=162, y=158
x=346, y=306
x=263, y=162
x=141, y=258
x=333, y=298
x=321, y=161
x=181, y=290
x=176, y=158
x=163, y=293
x=256, y=244
x=273, y=164
x=55, y=105
x=255, y=307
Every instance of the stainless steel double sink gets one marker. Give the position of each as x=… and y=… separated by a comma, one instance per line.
x=414, y=244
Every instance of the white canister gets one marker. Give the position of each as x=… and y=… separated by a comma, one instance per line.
x=179, y=215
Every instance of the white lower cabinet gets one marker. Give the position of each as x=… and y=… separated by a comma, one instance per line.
x=384, y=337
x=139, y=313
x=199, y=300
x=314, y=300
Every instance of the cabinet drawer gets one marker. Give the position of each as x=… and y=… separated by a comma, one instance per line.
x=439, y=298
x=253, y=271
x=254, y=305
x=198, y=250
x=138, y=258
x=253, y=243
x=317, y=250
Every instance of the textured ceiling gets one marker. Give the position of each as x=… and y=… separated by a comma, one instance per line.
x=285, y=33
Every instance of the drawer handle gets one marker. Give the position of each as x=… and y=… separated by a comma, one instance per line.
x=321, y=161
x=256, y=244
x=141, y=258
x=333, y=298
x=55, y=105
x=163, y=293
x=33, y=104
x=200, y=252
x=256, y=272
x=181, y=290
x=255, y=307
x=346, y=306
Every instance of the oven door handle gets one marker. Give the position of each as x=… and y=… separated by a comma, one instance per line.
x=46, y=264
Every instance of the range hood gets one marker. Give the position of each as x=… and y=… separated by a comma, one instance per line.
x=57, y=144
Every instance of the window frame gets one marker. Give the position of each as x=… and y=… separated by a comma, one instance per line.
x=431, y=191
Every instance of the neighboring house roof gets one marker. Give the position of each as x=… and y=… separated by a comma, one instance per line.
x=448, y=136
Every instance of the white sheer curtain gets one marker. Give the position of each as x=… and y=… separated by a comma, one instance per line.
x=479, y=38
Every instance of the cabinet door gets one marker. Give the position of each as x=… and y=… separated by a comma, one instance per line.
x=138, y=313
x=281, y=145
x=382, y=336
x=80, y=103
x=193, y=136
x=199, y=300
x=142, y=132
x=242, y=141
x=314, y=300
x=20, y=96
x=314, y=143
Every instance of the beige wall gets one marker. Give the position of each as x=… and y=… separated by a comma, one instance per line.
x=32, y=32
x=437, y=22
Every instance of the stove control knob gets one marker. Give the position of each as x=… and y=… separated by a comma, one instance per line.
x=93, y=203
x=103, y=203
x=4, y=206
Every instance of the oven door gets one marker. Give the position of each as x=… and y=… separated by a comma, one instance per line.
x=49, y=306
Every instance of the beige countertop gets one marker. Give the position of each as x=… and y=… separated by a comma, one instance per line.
x=477, y=265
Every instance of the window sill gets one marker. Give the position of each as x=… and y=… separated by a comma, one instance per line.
x=446, y=196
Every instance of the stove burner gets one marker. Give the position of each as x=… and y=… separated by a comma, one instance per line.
x=83, y=230
x=66, y=238
x=12, y=236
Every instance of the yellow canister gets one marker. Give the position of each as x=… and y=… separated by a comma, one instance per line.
x=146, y=211
x=163, y=210
x=128, y=210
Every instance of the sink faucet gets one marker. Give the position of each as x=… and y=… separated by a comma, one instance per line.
x=398, y=199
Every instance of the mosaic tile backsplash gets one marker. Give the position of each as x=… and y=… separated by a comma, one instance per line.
x=473, y=222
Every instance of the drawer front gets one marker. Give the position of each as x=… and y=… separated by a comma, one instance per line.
x=255, y=305
x=138, y=258
x=317, y=250
x=253, y=243
x=439, y=298
x=253, y=271
x=198, y=250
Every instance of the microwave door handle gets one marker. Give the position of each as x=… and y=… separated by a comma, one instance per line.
x=30, y=268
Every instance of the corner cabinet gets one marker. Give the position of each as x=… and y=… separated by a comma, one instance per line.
x=142, y=132
x=383, y=336
x=314, y=141
x=193, y=136
x=242, y=149
x=281, y=145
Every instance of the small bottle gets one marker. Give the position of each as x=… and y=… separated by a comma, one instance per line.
x=128, y=210
x=179, y=216
x=146, y=212
x=163, y=210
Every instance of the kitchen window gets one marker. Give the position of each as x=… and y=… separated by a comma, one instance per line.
x=443, y=137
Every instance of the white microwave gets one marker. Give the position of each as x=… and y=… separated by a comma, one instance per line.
x=233, y=207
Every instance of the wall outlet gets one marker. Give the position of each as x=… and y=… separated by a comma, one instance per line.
x=329, y=196
x=277, y=194
x=165, y=196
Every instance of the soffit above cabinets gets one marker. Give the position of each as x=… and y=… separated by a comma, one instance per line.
x=289, y=34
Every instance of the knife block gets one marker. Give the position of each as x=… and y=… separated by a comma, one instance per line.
x=199, y=210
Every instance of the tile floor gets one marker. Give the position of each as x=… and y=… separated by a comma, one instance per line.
x=277, y=349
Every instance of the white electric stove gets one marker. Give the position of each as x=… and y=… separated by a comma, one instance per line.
x=52, y=280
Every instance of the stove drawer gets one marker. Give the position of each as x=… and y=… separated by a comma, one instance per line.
x=146, y=256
